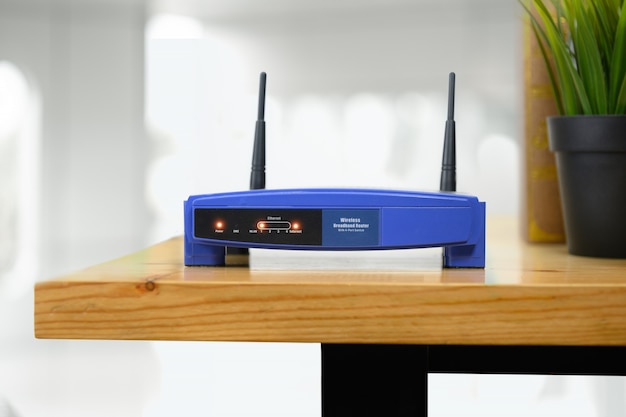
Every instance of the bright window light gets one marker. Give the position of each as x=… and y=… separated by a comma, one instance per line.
x=19, y=162
x=170, y=26
x=13, y=99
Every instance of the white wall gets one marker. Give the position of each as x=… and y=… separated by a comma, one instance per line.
x=86, y=63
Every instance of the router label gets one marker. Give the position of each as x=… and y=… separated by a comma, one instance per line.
x=350, y=227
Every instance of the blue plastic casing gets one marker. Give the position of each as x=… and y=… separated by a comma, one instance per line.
x=335, y=219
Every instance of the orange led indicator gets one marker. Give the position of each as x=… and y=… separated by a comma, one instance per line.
x=295, y=226
x=219, y=225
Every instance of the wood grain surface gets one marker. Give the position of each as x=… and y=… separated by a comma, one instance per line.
x=527, y=295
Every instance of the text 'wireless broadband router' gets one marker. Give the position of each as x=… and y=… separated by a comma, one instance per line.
x=336, y=218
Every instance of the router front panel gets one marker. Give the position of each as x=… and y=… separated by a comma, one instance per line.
x=330, y=219
x=346, y=228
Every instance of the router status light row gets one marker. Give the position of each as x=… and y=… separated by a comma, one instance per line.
x=264, y=226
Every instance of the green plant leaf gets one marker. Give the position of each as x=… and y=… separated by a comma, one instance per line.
x=541, y=38
x=553, y=83
x=589, y=61
x=583, y=43
x=617, y=79
x=571, y=86
x=605, y=18
x=547, y=32
x=620, y=105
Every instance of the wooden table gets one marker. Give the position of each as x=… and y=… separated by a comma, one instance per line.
x=384, y=319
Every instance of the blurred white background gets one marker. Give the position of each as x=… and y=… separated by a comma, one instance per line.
x=112, y=112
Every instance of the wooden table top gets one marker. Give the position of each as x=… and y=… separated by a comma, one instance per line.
x=526, y=295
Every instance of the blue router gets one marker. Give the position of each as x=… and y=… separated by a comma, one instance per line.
x=337, y=219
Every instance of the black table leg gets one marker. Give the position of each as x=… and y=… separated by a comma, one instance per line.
x=392, y=380
x=374, y=380
x=539, y=360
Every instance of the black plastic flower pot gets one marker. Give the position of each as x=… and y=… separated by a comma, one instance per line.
x=591, y=163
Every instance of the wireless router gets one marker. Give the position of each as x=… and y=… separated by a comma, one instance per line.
x=336, y=218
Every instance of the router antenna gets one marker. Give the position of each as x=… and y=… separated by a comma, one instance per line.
x=257, y=175
x=240, y=256
x=448, y=164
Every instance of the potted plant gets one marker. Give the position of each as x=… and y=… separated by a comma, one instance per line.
x=583, y=43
